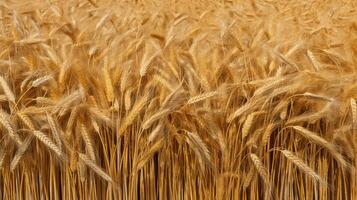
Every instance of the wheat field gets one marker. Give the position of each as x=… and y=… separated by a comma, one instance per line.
x=190, y=99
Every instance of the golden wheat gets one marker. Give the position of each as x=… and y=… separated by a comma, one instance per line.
x=174, y=100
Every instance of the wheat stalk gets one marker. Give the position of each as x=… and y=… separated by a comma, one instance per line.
x=8, y=92
x=48, y=142
x=109, y=90
x=26, y=120
x=155, y=132
x=159, y=115
x=55, y=131
x=263, y=172
x=3, y=152
x=149, y=153
x=248, y=178
x=127, y=100
x=201, y=97
x=267, y=133
x=320, y=141
x=247, y=125
x=20, y=152
x=313, y=60
x=72, y=118
x=301, y=165
x=41, y=80
x=73, y=160
x=88, y=142
x=94, y=167
x=199, y=147
x=6, y=123
x=134, y=112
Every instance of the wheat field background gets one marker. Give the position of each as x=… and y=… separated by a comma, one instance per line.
x=149, y=99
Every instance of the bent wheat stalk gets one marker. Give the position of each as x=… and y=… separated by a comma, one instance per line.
x=322, y=142
x=48, y=142
x=94, y=167
x=301, y=165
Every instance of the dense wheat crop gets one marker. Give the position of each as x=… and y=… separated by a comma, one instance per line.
x=178, y=99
